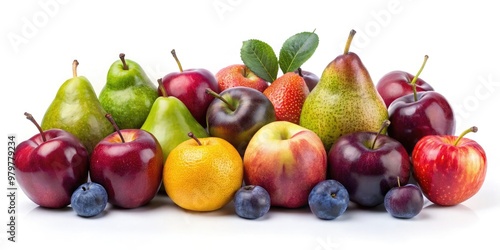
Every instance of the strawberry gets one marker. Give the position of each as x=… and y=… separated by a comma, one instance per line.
x=288, y=93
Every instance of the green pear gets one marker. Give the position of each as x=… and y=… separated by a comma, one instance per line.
x=345, y=100
x=128, y=93
x=170, y=121
x=77, y=110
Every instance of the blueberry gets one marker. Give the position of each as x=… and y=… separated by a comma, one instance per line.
x=252, y=202
x=328, y=199
x=89, y=199
x=404, y=202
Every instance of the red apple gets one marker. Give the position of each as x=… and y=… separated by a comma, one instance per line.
x=368, y=164
x=414, y=116
x=129, y=165
x=449, y=169
x=237, y=114
x=400, y=83
x=239, y=75
x=287, y=160
x=189, y=85
x=50, y=166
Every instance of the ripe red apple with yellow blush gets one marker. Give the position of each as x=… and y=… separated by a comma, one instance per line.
x=449, y=169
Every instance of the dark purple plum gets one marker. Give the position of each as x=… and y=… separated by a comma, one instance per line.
x=252, y=202
x=404, y=202
x=310, y=78
x=328, y=199
x=368, y=164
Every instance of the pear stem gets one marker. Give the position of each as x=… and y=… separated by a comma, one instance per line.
x=122, y=58
x=162, y=88
x=214, y=94
x=117, y=129
x=414, y=80
x=176, y=59
x=349, y=41
x=30, y=117
x=75, y=65
x=471, y=129
x=385, y=124
x=190, y=134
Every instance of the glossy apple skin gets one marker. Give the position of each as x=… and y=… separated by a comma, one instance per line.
x=287, y=160
x=368, y=174
x=411, y=120
x=448, y=174
x=189, y=87
x=48, y=172
x=252, y=111
x=398, y=83
x=239, y=75
x=131, y=172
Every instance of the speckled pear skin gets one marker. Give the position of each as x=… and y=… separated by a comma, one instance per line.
x=344, y=101
x=77, y=110
x=128, y=94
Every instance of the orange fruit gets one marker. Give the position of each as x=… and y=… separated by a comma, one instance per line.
x=288, y=94
x=203, y=174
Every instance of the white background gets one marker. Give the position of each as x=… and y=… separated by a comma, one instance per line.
x=40, y=39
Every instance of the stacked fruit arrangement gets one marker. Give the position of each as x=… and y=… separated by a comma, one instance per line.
x=248, y=136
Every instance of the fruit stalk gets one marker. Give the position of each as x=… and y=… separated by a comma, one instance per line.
x=177, y=60
x=122, y=58
x=385, y=124
x=190, y=134
x=162, y=88
x=214, y=94
x=75, y=65
x=299, y=70
x=414, y=80
x=471, y=129
x=30, y=117
x=349, y=41
x=110, y=119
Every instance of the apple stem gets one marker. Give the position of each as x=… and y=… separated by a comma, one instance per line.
x=385, y=124
x=214, y=94
x=176, y=59
x=30, y=117
x=190, y=134
x=399, y=182
x=414, y=80
x=75, y=65
x=471, y=129
x=122, y=58
x=246, y=71
x=162, y=88
x=300, y=72
x=117, y=129
x=349, y=41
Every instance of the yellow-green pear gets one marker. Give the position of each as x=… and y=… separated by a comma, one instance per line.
x=345, y=100
x=77, y=110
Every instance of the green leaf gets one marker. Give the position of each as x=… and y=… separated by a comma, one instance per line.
x=297, y=50
x=260, y=58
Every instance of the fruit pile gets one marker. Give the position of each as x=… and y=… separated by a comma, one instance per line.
x=248, y=136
